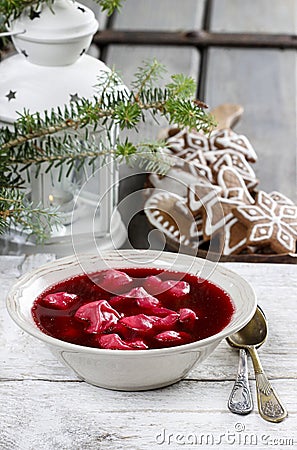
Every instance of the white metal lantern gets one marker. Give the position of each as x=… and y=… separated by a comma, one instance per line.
x=50, y=70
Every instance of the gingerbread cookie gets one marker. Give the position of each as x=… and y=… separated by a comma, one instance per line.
x=187, y=140
x=217, y=214
x=169, y=213
x=280, y=198
x=233, y=185
x=194, y=166
x=234, y=237
x=269, y=224
x=231, y=158
x=216, y=203
x=199, y=194
x=195, y=163
x=228, y=139
x=205, y=201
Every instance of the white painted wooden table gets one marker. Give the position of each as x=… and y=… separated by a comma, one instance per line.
x=44, y=406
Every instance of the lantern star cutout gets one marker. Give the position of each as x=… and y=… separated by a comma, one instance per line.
x=11, y=95
x=74, y=97
x=34, y=14
x=270, y=223
x=24, y=53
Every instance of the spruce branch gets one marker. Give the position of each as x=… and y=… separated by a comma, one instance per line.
x=67, y=138
x=12, y=9
x=110, y=5
x=72, y=151
x=147, y=74
x=122, y=108
x=181, y=86
x=148, y=156
x=16, y=212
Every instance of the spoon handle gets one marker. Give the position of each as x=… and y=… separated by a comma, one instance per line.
x=240, y=400
x=270, y=406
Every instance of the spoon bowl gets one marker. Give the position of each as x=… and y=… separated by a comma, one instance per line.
x=251, y=337
x=254, y=333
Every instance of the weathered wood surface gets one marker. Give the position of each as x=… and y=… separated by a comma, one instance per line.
x=262, y=16
x=45, y=407
x=264, y=82
x=172, y=15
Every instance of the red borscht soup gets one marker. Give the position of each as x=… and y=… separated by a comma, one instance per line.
x=133, y=309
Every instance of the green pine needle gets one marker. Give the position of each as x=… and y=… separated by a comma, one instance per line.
x=17, y=212
x=127, y=115
x=149, y=73
x=182, y=86
x=12, y=9
x=110, y=5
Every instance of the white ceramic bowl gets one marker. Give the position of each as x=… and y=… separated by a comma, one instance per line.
x=130, y=369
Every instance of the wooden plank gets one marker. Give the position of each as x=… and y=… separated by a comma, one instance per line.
x=264, y=83
x=44, y=406
x=270, y=16
x=198, y=39
x=160, y=15
x=66, y=416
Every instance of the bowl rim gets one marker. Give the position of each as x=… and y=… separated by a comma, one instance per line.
x=32, y=329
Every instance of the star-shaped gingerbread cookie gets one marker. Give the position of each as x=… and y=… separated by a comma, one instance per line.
x=269, y=223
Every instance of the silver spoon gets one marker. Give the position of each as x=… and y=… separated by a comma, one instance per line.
x=240, y=400
x=251, y=337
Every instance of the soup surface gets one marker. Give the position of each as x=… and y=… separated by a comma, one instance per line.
x=133, y=309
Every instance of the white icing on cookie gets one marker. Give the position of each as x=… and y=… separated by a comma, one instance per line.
x=280, y=198
x=186, y=139
x=236, y=160
x=201, y=193
x=228, y=237
x=227, y=139
x=270, y=223
x=233, y=185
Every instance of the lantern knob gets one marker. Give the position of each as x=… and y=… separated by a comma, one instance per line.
x=55, y=35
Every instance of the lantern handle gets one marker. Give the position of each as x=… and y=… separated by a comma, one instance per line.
x=12, y=33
